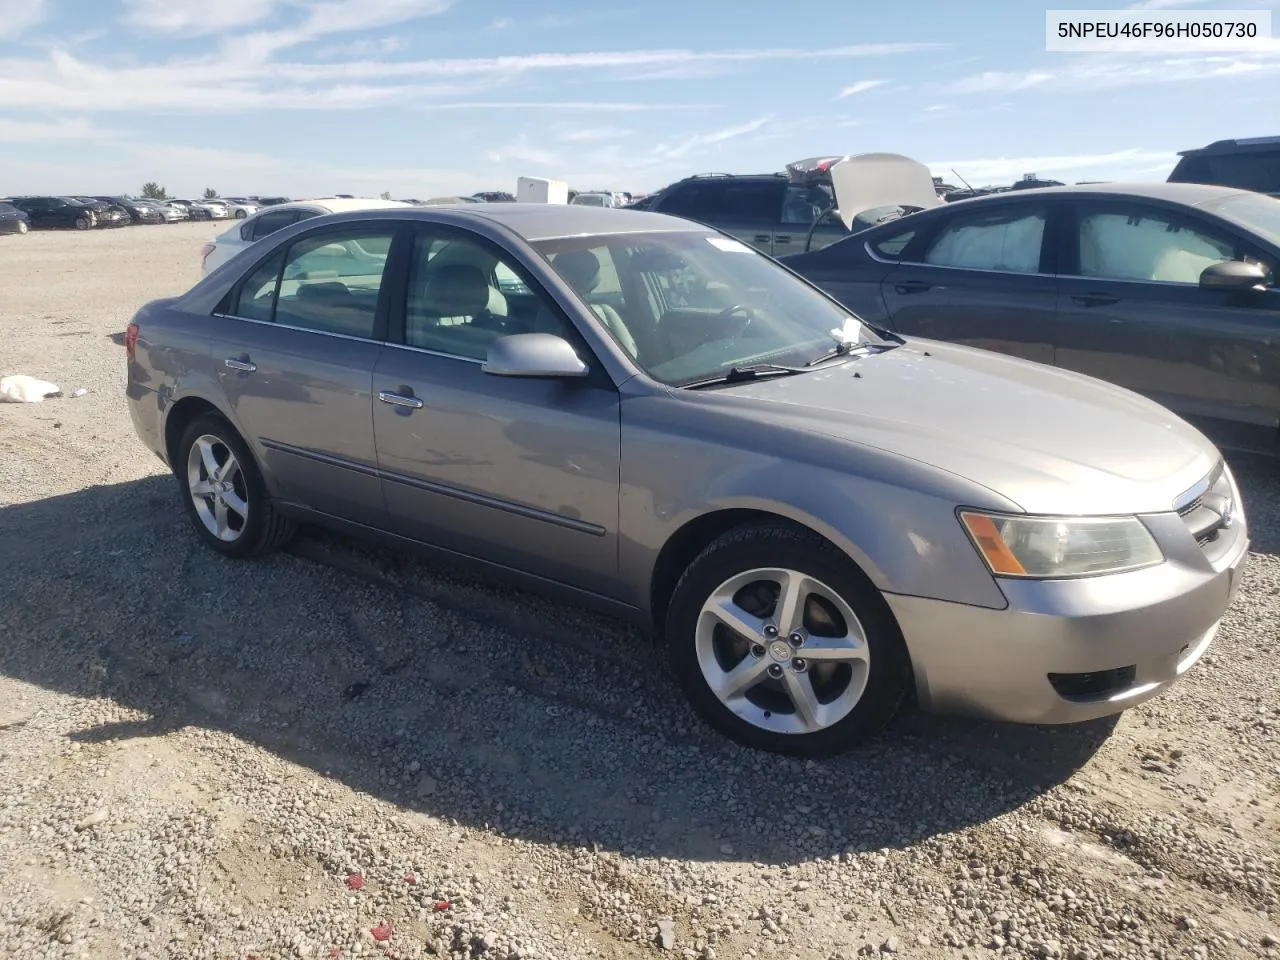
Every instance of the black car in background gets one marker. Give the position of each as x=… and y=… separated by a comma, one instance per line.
x=1249, y=164
x=55, y=212
x=13, y=220
x=138, y=211
x=1168, y=289
x=107, y=213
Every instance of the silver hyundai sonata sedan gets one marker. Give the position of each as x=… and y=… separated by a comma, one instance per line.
x=642, y=414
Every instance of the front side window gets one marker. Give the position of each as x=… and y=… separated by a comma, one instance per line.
x=695, y=200
x=1144, y=244
x=1008, y=240
x=464, y=294
x=697, y=304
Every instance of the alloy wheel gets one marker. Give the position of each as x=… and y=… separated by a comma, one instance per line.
x=782, y=651
x=218, y=488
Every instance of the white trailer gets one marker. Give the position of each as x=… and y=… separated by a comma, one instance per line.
x=540, y=190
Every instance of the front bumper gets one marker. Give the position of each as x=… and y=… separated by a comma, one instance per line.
x=1065, y=651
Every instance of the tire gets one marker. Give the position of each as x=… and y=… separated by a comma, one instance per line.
x=240, y=214
x=83, y=223
x=22, y=226
x=237, y=521
x=856, y=685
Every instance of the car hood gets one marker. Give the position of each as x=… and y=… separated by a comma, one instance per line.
x=1049, y=440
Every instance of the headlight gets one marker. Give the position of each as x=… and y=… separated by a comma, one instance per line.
x=1058, y=547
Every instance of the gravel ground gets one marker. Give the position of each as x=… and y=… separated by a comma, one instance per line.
x=341, y=751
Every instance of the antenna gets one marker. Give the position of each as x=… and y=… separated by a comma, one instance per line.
x=961, y=179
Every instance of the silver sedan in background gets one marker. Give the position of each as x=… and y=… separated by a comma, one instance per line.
x=816, y=516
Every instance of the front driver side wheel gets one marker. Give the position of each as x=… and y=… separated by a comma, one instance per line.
x=781, y=643
x=223, y=491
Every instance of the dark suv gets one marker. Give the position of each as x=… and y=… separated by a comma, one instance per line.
x=767, y=211
x=1252, y=164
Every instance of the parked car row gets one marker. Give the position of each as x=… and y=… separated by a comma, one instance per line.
x=23, y=213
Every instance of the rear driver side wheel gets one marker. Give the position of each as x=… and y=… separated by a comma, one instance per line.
x=781, y=643
x=223, y=491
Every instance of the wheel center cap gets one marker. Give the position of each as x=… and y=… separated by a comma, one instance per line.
x=780, y=651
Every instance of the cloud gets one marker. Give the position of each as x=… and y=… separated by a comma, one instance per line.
x=364, y=48
x=584, y=106
x=39, y=131
x=593, y=134
x=195, y=17
x=1118, y=72
x=862, y=86
x=524, y=63
x=523, y=152
x=18, y=16
x=502, y=23
x=1163, y=4
x=690, y=144
x=334, y=17
x=1061, y=167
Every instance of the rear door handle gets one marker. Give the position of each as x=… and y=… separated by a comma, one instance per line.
x=782, y=238
x=244, y=366
x=399, y=400
x=1094, y=300
x=912, y=286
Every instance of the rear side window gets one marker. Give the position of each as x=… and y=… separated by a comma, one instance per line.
x=891, y=247
x=717, y=200
x=1007, y=240
x=330, y=283
x=257, y=297
x=272, y=221
x=1255, y=170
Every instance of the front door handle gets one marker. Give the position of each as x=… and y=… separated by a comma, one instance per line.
x=399, y=400
x=1094, y=300
x=244, y=366
x=912, y=286
x=760, y=238
x=782, y=238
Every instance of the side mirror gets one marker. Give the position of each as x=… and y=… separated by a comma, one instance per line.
x=1233, y=276
x=533, y=355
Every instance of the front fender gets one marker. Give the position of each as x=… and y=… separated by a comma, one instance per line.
x=894, y=517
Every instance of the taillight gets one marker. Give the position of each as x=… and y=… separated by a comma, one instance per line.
x=131, y=340
x=204, y=252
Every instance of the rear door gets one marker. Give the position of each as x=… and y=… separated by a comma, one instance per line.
x=295, y=355
x=982, y=275
x=748, y=208
x=1131, y=311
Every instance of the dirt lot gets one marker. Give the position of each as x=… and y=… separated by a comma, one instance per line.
x=198, y=756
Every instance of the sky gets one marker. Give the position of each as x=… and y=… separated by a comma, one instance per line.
x=427, y=98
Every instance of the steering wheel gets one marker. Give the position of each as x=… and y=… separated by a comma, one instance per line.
x=737, y=309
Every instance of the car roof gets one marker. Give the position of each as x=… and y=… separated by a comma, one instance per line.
x=548, y=221
x=1241, y=145
x=1191, y=194
x=339, y=204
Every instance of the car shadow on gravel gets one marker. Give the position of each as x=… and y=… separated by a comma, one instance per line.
x=1259, y=480
x=458, y=700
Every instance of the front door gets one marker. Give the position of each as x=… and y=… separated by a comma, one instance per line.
x=983, y=278
x=1131, y=311
x=519, y=472
x=295, y=352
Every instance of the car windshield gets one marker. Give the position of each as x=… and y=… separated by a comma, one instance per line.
x=691, y=306
x=1254, y=211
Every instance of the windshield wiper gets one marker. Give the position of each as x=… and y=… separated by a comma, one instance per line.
x=845, y=347
x=752, y=371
